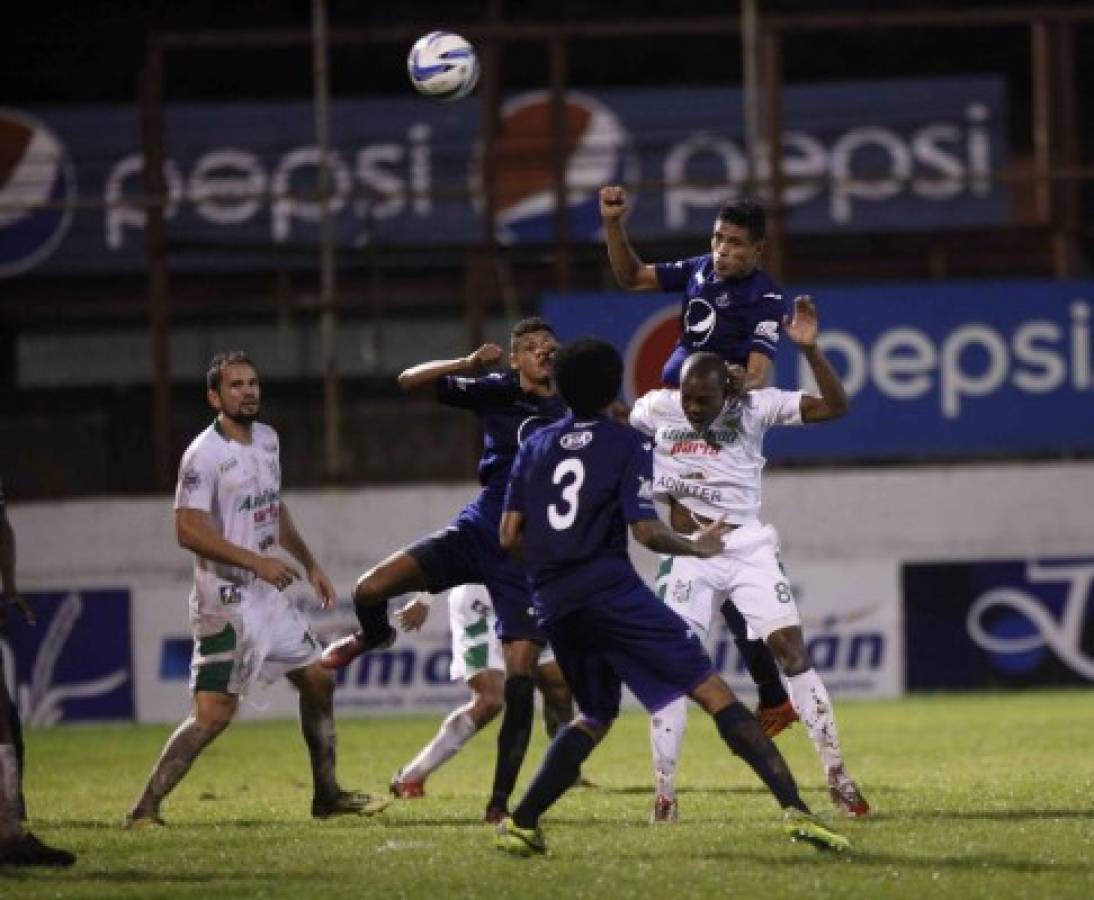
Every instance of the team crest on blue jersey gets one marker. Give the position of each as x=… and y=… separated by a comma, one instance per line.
x=575, y=440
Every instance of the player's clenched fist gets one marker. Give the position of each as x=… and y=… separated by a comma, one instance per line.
x=485, y=356
x=613, y=202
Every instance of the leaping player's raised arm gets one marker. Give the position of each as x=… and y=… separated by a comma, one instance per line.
x=427, y=373
x=630, y=272
x=803, y=330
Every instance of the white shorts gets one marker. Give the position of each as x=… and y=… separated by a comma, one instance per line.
x=748, y=573
x=261, y=638
x=475, y=644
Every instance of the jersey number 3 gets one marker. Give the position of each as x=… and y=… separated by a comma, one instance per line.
x=560, y=520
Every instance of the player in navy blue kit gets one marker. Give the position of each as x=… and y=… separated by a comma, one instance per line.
x=510, y=406
x=729, y=306
x=575, y=487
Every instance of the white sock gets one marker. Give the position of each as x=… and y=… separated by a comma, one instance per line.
x=10, y=826
x=667, y=727
x=453, y=734
x=810, y=699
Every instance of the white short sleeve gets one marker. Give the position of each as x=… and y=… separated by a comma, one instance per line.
x=644, y=416
x=196, y=484
x=776, y=407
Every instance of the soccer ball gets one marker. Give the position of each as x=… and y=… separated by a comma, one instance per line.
x=444, y=65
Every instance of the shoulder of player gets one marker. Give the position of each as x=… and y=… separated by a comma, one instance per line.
x=543, y=435
x=763, y=398
x=765, y=291
x=265, y=435
x=207, y=443
x=614, y=431
x=661, y=403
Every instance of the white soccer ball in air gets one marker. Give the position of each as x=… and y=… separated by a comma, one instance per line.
x=444, y=65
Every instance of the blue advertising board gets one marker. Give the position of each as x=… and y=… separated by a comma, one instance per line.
x=242, y=177
x=1003, y=623
x=75, y=663
x=934, y=371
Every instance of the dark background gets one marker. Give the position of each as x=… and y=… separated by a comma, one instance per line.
x=93, y=52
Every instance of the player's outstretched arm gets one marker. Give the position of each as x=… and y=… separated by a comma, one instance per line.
x=630, y=272
x=426, y=373
x=655, y=535
x=195, y=532
x=803, y=330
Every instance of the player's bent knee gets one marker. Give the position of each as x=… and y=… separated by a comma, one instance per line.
x=365, y=592
x=788, y=647
x=595, y=729
x=713, y=695
x=318, y=682
x=520, y=689
x=485, y=708
x=211, y=724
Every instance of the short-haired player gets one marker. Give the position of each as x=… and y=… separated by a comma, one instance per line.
x=577, y=486
x=708, y=456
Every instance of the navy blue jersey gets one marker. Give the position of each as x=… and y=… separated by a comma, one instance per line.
x=507, y=416
x=579, y=484
x=730, y=317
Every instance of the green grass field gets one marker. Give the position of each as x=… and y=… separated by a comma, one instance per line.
x=975, y=796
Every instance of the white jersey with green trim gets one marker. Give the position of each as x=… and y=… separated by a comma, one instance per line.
x=718, y=473
x=239, y=485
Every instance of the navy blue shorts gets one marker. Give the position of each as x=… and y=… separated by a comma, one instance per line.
x=633, y=639
x=467, y=552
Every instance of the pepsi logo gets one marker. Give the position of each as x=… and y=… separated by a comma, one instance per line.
x=649, y=347
x=597, y=151
x=37, y=192
x=699, y=320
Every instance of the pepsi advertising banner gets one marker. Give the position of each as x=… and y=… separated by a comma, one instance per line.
x=933, y=371
x=999, y=624
x=75, y=662
x=242, y=177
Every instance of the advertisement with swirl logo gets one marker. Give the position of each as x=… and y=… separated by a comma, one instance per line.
x=999, y=623
x=75, y=662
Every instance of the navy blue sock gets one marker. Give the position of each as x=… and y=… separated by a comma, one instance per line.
x=742, y=732
x=557, y=773
x=758, y=658
x=513, y=737
x=373, y=619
